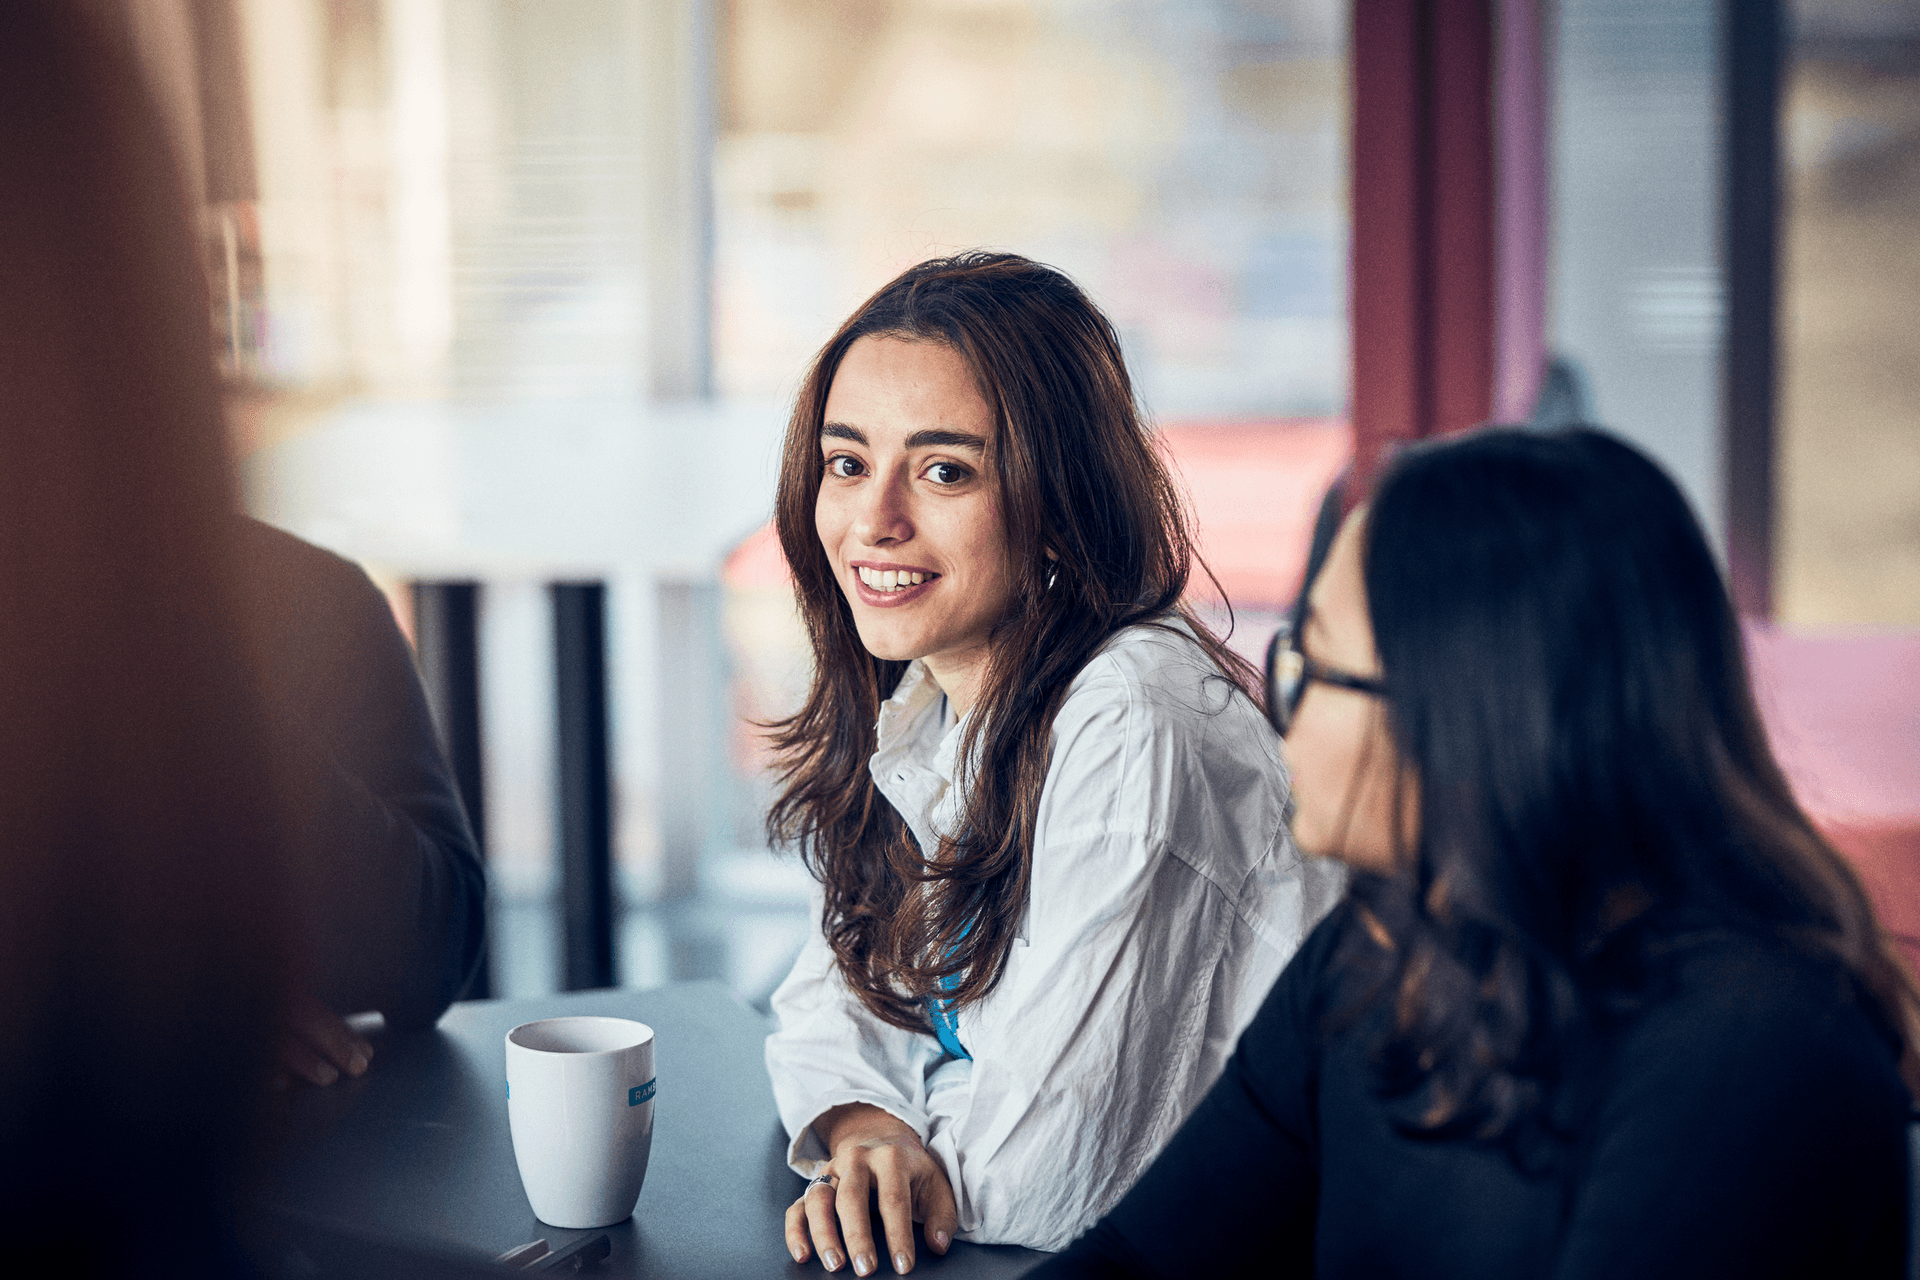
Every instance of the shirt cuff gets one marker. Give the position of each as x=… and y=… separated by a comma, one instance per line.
x=806, y=1152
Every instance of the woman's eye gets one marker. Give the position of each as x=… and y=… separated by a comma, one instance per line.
x=946, y=474
x=843, y=466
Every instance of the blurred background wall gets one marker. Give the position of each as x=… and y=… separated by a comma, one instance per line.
x=523, y=290
x=516, y=292
x=1850, y=318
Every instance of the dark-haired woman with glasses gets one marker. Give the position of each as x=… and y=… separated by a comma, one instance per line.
x=1600, y=1001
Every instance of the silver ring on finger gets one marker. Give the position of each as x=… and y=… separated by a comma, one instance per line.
x=824, y=1180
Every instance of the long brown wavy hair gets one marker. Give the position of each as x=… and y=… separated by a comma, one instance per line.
x=1078, y=475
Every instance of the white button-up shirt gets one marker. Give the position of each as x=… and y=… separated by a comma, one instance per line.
x=1166, y=897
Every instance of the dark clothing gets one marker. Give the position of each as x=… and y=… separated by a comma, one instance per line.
x=1750, y=1122
x=392, y=892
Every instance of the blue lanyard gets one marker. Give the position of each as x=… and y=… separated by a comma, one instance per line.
x=946, y=1023
x=944, y=1013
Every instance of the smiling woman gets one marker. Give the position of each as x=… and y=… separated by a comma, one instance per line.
x=1043, y=809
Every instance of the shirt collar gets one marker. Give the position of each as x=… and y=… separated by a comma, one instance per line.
x=910, y=727
x=900, y=715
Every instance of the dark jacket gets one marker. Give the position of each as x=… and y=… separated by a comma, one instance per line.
x=1750, y=1122
x=390, y=886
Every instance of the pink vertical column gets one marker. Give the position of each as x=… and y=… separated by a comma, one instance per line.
x=1461, y=253
x=1392, y=394
x=1423, y=213
x=1521, y=209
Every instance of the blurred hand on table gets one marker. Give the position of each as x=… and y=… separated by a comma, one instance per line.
x=316, y=1045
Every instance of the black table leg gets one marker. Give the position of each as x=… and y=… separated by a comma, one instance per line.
x=586, y=828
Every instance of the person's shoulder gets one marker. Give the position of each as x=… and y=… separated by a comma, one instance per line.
x=1732, y=1000
x=321, y=612
x=1160, y=671
x=1167, y=640
x=287, y=563
x=1153, y=700
x=1738, y=976
x=1759, y=1082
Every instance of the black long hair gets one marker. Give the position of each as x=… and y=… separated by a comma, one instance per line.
x=1078, y=475
x=1569, y=697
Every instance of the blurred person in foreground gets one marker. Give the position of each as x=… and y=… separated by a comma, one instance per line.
x=174, y=896
x=1600, y=1001
x=1046, y=817
x=144, y=905
x=393, y=891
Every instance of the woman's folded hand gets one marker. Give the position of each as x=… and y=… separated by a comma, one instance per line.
x=875, y=1158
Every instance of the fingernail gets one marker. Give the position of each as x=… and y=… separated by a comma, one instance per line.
x=326, y=1074
x=799, y=1254
x=863, y=1264
x=358, y=1066
x=901, y=1263
x=831, y=1258
x=940, y=1238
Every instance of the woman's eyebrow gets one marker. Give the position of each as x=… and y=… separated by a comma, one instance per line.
x=841, y=431
x=947, y=439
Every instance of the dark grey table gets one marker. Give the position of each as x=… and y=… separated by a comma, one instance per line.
x=418, y=1151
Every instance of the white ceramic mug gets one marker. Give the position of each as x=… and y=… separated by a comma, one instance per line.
x=580, y=1103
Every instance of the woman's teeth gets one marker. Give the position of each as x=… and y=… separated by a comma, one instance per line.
x=892, y=579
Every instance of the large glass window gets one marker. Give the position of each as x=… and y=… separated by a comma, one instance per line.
x=1184, y=160
x=1849, y=477
x=473, y=341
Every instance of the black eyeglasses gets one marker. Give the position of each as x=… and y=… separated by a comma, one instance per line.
x=1288, y=672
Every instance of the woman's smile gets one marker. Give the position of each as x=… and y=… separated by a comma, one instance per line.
x=886, y=585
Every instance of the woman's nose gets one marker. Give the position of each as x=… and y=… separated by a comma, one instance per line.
x=882, y=515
